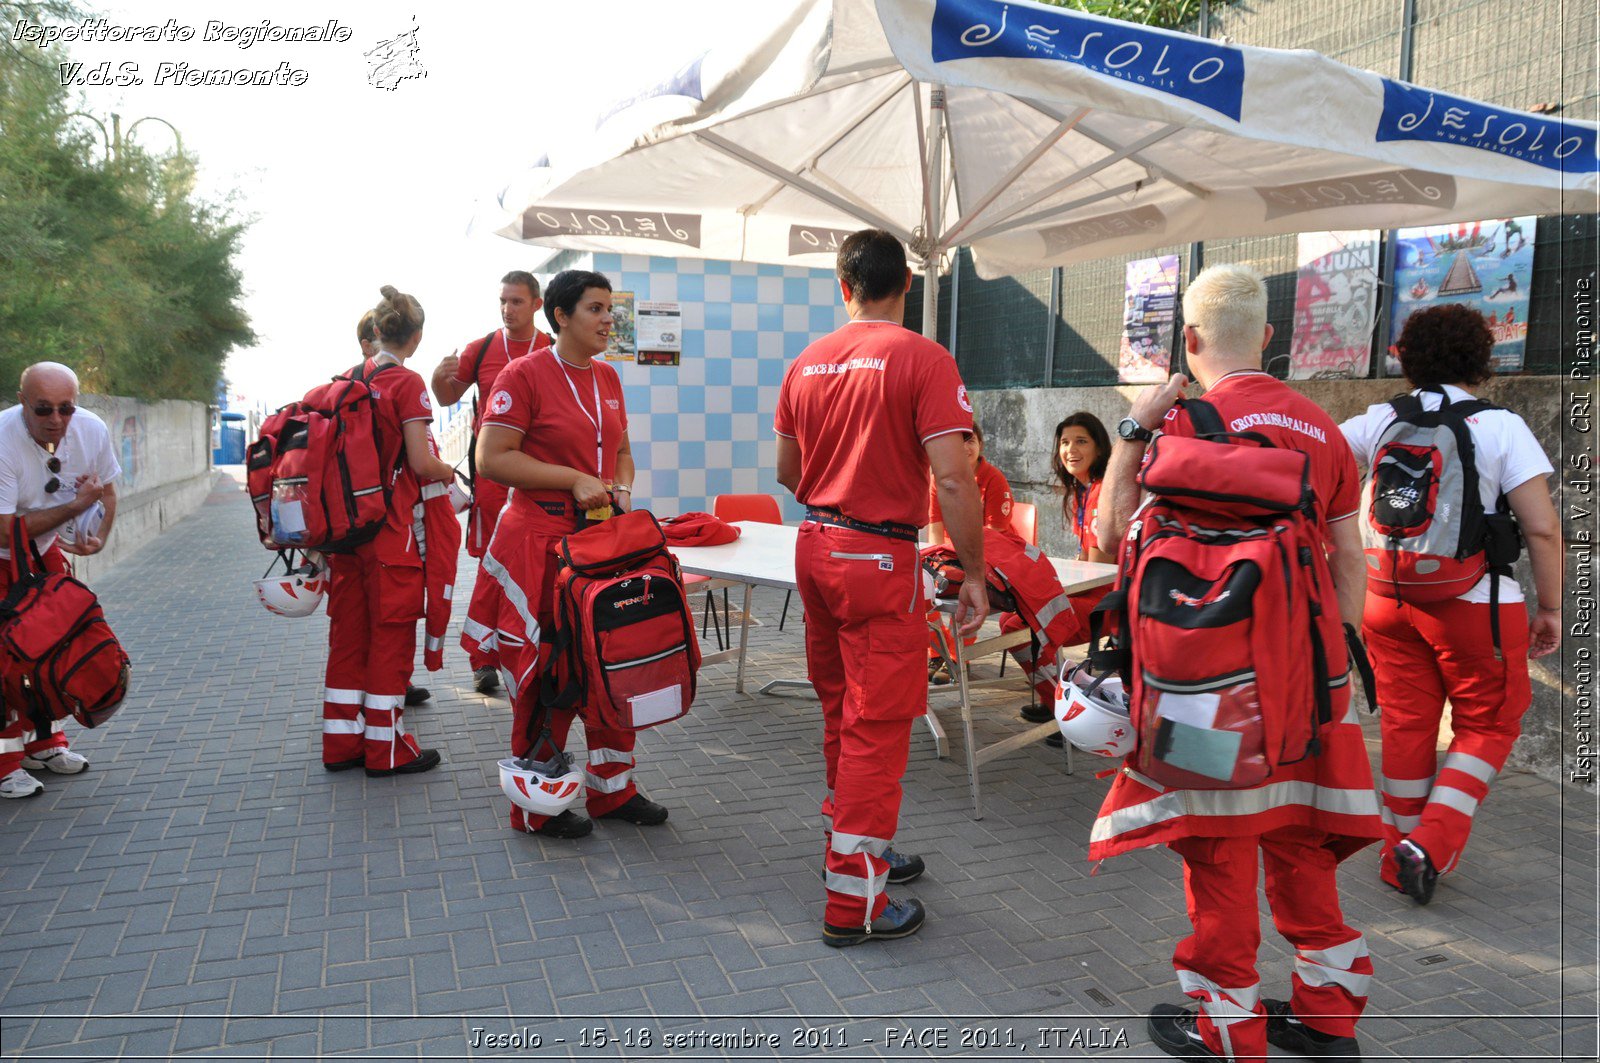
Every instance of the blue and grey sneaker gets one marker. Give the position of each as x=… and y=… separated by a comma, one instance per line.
x=899, y=919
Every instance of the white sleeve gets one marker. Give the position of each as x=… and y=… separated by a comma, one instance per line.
x=1361, y=432
x=1524, y=457
x=10, y=485
x=106, y=465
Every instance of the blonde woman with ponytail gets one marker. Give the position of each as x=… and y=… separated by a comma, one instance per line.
x=376, y=595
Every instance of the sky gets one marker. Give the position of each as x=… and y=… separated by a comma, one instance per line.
x=352, y=186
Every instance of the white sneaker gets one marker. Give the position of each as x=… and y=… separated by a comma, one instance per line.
x=20, y=784
x=59, y=759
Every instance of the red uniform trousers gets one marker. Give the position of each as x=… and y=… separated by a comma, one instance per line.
x=865, y=643
x=1217, y=963
x=19, y=738
x=1423, y=655
x=477, y=638
x=373, y=611
x=527, y=537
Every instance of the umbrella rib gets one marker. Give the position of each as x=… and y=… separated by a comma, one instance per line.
x=1049, y=141
x=1086, y=172
x=1001, y=228
x=877, y=104
x=763, y=165
x=1106, y=142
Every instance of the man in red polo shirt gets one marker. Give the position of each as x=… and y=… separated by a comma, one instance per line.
x=1309, y=815
x=862, y=414
x=480, y=365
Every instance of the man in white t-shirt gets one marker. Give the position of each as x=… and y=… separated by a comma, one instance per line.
x=58, y=471
x=1428, y=653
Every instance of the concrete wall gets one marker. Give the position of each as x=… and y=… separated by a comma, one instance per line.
x=165, y=452
x=1018, y=426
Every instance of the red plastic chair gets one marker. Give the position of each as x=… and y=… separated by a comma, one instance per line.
x=763, y=509
x=1025, y=521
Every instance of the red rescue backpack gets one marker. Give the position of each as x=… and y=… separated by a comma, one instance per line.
x=624, y=652
x=58, y=656
x=1224, y=619
x=322, y=471
x=1427, y=535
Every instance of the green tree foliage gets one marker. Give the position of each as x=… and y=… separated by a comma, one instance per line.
x=108, y=264
x=1169, y=14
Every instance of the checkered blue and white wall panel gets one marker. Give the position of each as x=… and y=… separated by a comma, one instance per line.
x=704, y=428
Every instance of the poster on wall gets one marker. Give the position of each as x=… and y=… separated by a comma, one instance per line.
x=1487, y=265
x=1148, y=310
x=1335, y=299
x=622, y=347
x=659, y=330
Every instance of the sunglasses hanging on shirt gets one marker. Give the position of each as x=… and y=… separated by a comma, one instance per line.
x=54, y=485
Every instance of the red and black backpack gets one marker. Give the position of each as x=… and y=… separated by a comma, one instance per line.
x=1224, y=621
x=322, y=471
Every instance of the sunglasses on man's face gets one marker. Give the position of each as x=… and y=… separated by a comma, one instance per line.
x=54, y=465
x=66, y=409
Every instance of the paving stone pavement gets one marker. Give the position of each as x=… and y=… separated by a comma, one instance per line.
x=208, y=891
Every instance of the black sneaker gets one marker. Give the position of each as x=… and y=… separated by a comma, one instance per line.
x=1290, y=1034
x=638, y=809
x=1055, y=741
x=416, y=696
x=486, y=680
x=567, y=825
x=938, y=672
x=1176, y=1031
x=1037, y=713
x=899, y=919
x=427, y=760
x=902, y=868
x=1415, y=868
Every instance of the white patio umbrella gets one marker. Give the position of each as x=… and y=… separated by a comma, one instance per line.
x=1033, y=135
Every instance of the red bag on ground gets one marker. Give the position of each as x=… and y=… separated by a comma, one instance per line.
x=58, y=656
x=321, y=473
x=624, y=652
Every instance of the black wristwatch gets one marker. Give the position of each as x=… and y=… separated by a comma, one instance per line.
x=1133, y=431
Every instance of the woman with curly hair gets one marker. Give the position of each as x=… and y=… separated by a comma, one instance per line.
x=1430, y=653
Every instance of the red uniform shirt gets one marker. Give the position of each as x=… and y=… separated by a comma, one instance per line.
x=402, y=397
x=482, y=370
x=993, y=491
x=861, y=403
x=1252, y=401
x=552, y=404
x=1083, y=520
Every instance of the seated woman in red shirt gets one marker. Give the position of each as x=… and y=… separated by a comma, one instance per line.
x=1079, y=462
x=994, y=492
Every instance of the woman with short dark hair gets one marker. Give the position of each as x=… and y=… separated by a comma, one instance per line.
x=556, y=430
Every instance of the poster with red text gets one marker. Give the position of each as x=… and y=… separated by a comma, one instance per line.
x=1335, y=300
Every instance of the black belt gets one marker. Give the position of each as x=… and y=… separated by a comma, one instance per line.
x=888, y=529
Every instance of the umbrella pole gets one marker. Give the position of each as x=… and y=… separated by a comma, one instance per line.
x=933, y=208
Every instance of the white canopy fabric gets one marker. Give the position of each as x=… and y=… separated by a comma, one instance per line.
x=1061, y=137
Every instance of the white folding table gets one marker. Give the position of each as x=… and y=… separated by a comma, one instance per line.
x=763, y=556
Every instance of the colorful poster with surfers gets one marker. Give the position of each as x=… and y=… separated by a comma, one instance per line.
x=1335, y=298
x=1149, y=305
x=1488, y=265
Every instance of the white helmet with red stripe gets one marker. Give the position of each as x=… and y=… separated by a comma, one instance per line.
x=545, y=788
x=1092, y=712
x=298, y=591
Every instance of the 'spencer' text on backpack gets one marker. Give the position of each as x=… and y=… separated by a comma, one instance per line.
x=624, y=652
x=1427, y=535
x=321, y=473
x=1224, y=622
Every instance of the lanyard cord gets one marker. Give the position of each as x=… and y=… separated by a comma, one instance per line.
x=599, y=445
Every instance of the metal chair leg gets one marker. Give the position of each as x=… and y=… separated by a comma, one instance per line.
x=785, y=615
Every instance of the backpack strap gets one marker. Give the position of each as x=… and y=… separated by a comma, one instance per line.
x=1204, y=416
x=472, y=444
